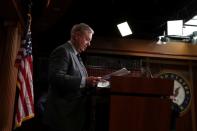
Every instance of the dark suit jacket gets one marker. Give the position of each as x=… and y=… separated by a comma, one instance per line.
x=66, y=104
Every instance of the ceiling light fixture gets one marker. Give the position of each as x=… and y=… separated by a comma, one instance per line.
x=124, y=29
x=175, y=28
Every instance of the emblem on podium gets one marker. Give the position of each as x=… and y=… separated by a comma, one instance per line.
x=181, y=93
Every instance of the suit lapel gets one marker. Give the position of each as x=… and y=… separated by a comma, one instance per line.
x=80, y=65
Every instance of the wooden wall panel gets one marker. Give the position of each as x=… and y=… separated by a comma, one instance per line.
x=10, y=44
x=174, y=50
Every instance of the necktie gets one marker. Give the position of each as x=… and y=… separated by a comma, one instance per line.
x=79, y=58
x=83, y=69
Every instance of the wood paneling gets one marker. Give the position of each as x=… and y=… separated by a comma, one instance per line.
x=10, y=44
x=132, y=47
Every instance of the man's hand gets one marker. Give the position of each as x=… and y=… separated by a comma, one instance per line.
x=92, y=81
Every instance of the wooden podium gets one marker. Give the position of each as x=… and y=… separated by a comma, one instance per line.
x=140, y=104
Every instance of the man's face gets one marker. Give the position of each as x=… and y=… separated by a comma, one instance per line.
x=83, y=41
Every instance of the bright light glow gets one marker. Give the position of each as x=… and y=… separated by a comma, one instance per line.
x=188, y=30
x=195, y=17
x=190, y=26
x=175, y=27
x=124, y=29
x=192, y=21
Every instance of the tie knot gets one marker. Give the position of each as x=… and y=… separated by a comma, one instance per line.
x=79, y=57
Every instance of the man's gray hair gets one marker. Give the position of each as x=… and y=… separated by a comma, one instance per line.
x=81, y=28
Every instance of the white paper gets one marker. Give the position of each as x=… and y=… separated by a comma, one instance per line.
x=104, y=83
x=120, y=72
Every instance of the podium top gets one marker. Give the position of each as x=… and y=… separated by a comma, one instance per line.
x=138, y=85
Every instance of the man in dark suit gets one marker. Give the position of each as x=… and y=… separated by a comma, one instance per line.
x=66, y=108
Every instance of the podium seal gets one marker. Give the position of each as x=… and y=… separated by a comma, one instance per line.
x=181, y=93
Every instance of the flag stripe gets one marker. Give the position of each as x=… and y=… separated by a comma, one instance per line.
x=29, y=90
x=29, y=83
x=21, y=93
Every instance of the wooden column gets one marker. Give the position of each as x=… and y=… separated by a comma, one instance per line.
x=193, y=113
x=9, y=43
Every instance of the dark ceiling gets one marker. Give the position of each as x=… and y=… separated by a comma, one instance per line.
x=147, y=18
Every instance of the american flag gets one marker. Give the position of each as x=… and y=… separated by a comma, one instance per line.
x=24, y=60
